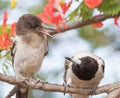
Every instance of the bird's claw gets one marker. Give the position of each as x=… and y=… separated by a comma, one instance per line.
x=93, y=89
x=65, y=87
x=42, y=83
x=25, y=81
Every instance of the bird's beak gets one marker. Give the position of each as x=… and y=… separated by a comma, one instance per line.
x=67, y=58
x=45, y=31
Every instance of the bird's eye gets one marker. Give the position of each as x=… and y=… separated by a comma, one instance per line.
x=36, y=25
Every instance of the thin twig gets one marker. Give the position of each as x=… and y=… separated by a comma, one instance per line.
x=80, y=23
x=12, y=92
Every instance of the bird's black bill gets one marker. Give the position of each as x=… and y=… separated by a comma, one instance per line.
x=68, y=58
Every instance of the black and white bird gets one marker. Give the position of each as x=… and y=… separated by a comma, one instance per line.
x=29, y=48
x=83, y=70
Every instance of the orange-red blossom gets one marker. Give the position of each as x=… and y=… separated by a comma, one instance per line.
x=5, y=37
x=54, y=12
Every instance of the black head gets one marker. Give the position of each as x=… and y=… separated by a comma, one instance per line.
x=31, y=23
x=87, y=69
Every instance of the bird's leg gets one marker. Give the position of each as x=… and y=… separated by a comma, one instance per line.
x=65, y=87
x=37, y=81
x=22, y=79
x=66, y=84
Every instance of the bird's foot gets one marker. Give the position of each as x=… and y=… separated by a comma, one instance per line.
x=41, y=81
x=93, y=89
x=22, y=79
x=25, y=81
x=38, y=81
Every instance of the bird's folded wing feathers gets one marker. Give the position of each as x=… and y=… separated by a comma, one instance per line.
x=66, y=65
x=13, y=50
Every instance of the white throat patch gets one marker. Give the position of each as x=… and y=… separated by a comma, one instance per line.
x=76, y=60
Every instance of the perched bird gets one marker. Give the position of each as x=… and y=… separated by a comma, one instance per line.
x=83, y=70
x=29, y=48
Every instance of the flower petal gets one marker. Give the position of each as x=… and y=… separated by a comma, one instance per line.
x=92, y=3
x=97, y=25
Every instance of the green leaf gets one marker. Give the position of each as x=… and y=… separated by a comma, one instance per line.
x=5, y=66
x=95, y=37
x=0, y=29
x=8, y=56
x=4, y=71
x=36, y=9
x=81, y=12
x=110, y=7
x=73, y=14
x=3, y=4
x=85, y=12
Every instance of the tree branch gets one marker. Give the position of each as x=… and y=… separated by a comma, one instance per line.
x=110, y=88
x=80, y=23
x=114, y=94
x=12, y=92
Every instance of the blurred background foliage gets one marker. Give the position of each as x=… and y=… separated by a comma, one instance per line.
x=64, y=44
x=3, y=4
x=96, y=38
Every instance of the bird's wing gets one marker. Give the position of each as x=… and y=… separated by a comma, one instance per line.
x=66, y=65
x=13, y=50
x=47, y=48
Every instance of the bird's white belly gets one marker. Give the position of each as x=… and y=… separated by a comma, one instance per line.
x=28, y=60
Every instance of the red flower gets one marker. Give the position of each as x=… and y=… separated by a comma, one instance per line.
x=5, y=17
x=5, y=41
x=62, y=6
x=45, y=18
x=53, y=12
x=48, y=13
x=97, y=25
x=116, y=21
x=51, y=1
x=65, y=6
x=92, y=3
x=49, y=8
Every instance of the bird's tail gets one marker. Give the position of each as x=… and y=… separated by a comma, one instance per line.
x=79, y=96
x=20, y=94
